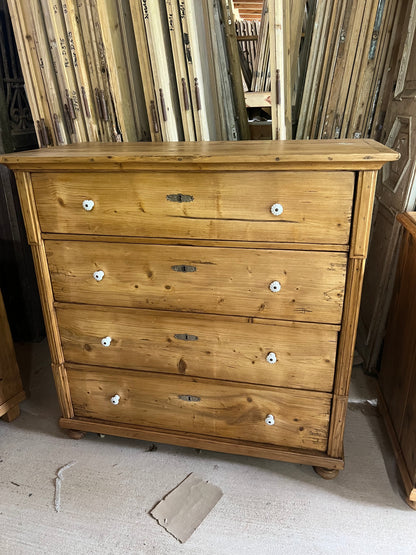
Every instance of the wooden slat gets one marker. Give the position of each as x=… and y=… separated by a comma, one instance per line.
x=99, y=67
x=181, y=74
x=234, y=69
x=77, y=51
x=31, y=74
x=160, y=54
x=146, y=70
x=60, y=52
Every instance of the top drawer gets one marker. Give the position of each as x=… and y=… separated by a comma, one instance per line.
x=300, y=207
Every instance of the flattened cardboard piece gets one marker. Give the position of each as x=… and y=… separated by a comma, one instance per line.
x=185, y=507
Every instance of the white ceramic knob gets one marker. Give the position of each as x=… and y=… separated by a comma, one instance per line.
x=115, y=399
x=269, y=420
x=106, y=341
x=272, y=358
x=275, y=286
x=276, y=209
x=88, y=205
x=98, y=275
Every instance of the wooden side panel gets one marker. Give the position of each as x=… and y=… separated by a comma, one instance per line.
x=315, y=206
x=219, y=348
x=218, y=281
x=345, y=354
x=397, y=374
x=202, y=406
x=10, y=382
x=45, y=290
x=361, y=226
x=27, y=203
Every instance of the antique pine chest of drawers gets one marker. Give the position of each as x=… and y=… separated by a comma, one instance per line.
x=204, y=294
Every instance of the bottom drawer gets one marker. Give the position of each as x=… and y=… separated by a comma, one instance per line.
x=221, y=409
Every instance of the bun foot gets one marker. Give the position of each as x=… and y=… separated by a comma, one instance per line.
x=11, y=414
x=76, y=434
x=412, y=504
x=326, y=473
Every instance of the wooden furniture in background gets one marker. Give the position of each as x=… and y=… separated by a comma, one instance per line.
x=397, y=379
x=204, y=294
x=11, y=389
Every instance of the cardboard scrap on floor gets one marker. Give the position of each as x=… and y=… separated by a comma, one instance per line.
x=185, y=507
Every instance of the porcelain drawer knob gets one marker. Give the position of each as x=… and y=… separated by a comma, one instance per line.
x=276, y=209
x=271, y=358
x=88, y=205
x=275, y=286
x=115, y=399
x=98, y=276
x=269, y=420
x=106, y=341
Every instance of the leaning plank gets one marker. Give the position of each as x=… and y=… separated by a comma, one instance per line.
x=145, y=69
x=382, y=49
x=68, y=90
x=312, y=73
x=228, y=21
x=31, y=74
x=328, y=66
x=181, y=73
x=346, y=57
x=77, y=52
x=133, y=70
x=115, y=62
x=357, y=81
x=49, y=76
x=204, y=90
x=167, y=100
x=278, y=70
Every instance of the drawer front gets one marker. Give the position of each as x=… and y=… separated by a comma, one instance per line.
x=287, y=355
x=220, y=409
x=289, y=285
x=309, y=207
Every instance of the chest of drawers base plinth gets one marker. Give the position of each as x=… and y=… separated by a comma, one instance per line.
x=204, y=294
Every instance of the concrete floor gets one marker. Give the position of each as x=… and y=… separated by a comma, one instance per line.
x=267, y=507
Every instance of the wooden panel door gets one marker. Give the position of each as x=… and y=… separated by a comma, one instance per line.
x=396, y=188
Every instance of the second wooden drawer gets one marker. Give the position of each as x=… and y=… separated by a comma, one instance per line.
x=224, y=348
x=288, y=285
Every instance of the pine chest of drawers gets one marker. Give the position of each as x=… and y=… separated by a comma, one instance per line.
x=204, y=294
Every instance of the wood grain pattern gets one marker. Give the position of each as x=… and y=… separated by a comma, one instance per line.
x=361, y=225
x=215, y=408
x=353, y=154
x=29, y=211
x=408, y=481
x=322, y=247
x=316, y=206
x=11, y=389
x=397, y=376
x=188, y=248
x=220, y=348
x=225, y=281
x=199, y=441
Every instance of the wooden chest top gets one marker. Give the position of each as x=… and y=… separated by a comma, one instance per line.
x=356, y=154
